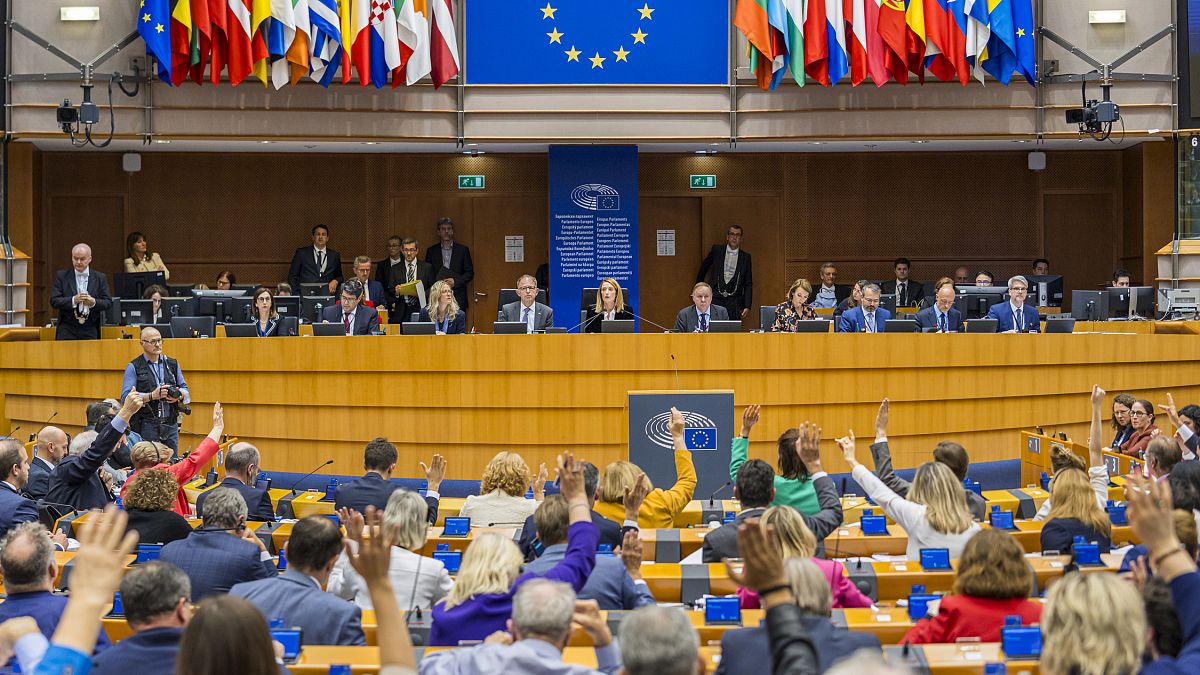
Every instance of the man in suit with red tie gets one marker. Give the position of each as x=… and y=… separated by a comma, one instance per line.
x=356, y=317
x=728, y=271
x=81, y=297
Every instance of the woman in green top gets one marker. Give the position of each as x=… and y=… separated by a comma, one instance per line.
x=793, y=485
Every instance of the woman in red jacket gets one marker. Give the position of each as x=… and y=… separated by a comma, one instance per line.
x=149, y=454
x=993, y=581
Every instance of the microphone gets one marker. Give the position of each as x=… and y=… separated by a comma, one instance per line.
x=676, y=366
x=249, y=316
x=174, y=310
x=585, y=323
x=712, y=502
x=642, y=318
x=292, y=489
x=504, y=523
x=412, y=597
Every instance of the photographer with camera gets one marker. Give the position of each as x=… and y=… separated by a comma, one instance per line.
x=160, y=381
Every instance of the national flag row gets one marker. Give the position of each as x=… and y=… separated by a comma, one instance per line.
x=827, y=40
x=401, y=41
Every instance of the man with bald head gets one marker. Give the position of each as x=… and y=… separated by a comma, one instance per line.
x=241, y=474
x=50, y=448
x=159, y=380
x=80, y=295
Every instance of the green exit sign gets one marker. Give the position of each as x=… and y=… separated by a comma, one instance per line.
x=470, y=182
x=706, y=182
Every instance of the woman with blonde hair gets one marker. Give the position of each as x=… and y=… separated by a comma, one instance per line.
x=992, y=581
x=443, y=310
x=501, y=499
x=149, y=498
x=1075, y=513
x=935, y=514
x=790, y=312
x=660, y=506
x=418, y=581
x=1092, y=624
x=481, y=601
x=1062, y=459
x=797, y=541
x=610, y=305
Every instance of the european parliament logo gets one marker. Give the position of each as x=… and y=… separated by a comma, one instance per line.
x=596, y=197
x=699, y=432
x=612, y=42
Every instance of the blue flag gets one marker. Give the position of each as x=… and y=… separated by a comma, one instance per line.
x=700, y=438
x=1002, y=45
x=154, y=25
x=1026, y=39
x=614, y=42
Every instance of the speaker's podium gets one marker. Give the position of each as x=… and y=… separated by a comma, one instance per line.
x=708, y=427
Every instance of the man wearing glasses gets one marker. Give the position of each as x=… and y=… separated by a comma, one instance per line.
x=160, y=382
x=1015, y=316
x=535, y=315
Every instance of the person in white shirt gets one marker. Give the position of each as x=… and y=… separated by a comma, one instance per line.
x=729, y=271
x=501, y=500
x=825, y=295
x=1097, y=470
x=936, y=513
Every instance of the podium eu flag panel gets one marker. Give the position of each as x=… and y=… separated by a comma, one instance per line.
x=613, y=42
x=707, y=433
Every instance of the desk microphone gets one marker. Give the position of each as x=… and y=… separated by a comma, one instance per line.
x=293, y=488
x=13, y=433
x=712, y=501
x=585, y=323
x=676, y=366
x=642, y=318
x=174, y=310
x=500, y=524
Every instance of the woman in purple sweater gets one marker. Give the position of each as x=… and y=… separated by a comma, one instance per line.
x=481, y=601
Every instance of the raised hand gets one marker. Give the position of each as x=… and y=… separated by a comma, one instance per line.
x=847, y=445
x=1097, y=395
x=1171, y=410
x=881, y=418
x=631, y=554
x=372, y=560
x=587, y=615
x=808, y=447
x=676, y=425
x=353, y=522
x=635, y=495
x=763, y=560
x=435, y=472
x=570, y=478
x=749, y=419
x=539, y=483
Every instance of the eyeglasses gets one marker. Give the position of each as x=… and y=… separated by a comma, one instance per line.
x=155, y=341
x=1017, y=289
x=1138, y=413
x=527, y=288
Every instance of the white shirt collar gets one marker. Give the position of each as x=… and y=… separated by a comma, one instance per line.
x=729, y=250
x=396, y=260
x=1015, y=307
x=319, y=250
x=86, y=271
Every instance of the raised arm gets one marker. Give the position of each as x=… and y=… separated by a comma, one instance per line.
x=1095, y=454
x=741, y=443
x=881, y=453
x=371, y=561
x=684, y=488
x=901, y=510
x=809, y=451
x=186, y=469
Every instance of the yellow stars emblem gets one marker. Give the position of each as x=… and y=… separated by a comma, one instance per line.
x=548, y=11
x=597, y=60
x=555, y=36
x=158, y=28
x=1020, y=32
x=639, y=37
x=145, y=18
x=621, y=54
x=572, y=53
x=645, y=12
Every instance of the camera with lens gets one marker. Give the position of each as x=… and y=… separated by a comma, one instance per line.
x=174, y=392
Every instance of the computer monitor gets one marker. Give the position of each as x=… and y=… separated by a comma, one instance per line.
x=1045, y=290
x=418, y=328
x=766, y=317
x=133, y=285
x=973, y=302
x=1089, y=305
x=209, y=293
x=720, y=326
x=307, y=290
x=1059, y=324
x=888, y=302
x=312, y=306
x=193, y=326
x=900, y=326
x=510, y=328
x=136, y=312
x=221, y=308
x=164, y=329
x=616, y=325
x=178, y=306
x=813, y=325
x=288, y=305
x=329, y=329
x=1133, y=302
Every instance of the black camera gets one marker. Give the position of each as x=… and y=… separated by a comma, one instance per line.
x=174, y=392
x=67, y=116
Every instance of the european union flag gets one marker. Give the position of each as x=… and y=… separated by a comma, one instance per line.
x=613, y=42
x=154, y=25
x=700, y=438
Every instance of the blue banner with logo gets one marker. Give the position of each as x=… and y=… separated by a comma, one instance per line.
x=593, y=225
x=610, y=42
x=708, y=419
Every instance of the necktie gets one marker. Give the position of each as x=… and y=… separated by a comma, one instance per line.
x=942, y=323
x=525, y=316
x=412, y=273
x=903, y=294
x=871, y=322
x=321, y=262
x=1019, y=320
x=346, y=320
x=704, y=323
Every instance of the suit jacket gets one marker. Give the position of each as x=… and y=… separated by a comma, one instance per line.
x=743, y=651
x=399, y=309
x=297, y=598
x=927, y=318
x=366, y=319
x=15, y=508
x=157, y=527
x=543, y=316
x=882, y=455
x=39, y=478
x=258, y=501
x=591, y=325
x=461, y=269
x=373, y=490
x=378, y=296
x=64, y=289
x=722, y=543
x=688, y=318
x=74, y=480
x=148, y=652
x=609, y=584
x=854, y=321
x=916, y=292
x=304, y=268
x=712, y=272
x=611, y=533
x=216, y=561
x=46, y=609
x=457, y=327
x=1003, y=314
x=822, y=523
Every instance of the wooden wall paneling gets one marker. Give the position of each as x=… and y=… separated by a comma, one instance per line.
x=1085, y=262
x=666, y=281
x=1158, y=203
x=496, y=217
x=1132, y=212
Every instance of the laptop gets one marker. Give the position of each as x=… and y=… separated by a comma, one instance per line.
x=418, y=328
x=616, y=325
x=329, y=329
x=982, y=325
x=510, y=328
x=900, y=326
x=813, y=326
x=1063, y=325
x=724, y=326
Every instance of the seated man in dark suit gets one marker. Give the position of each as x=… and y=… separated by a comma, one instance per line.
x=535, y=315
x=373, y=294
x=615, y=583
x=743, y=650
x=695, y=319
x=51, y=447
x=868, y=317
x=1015, y=316
x=222, y=553
x=356, y=317
x=156, y=598
x=610, y=531
x=15, y=507
x=242, y=466
x=27, y=559
x=74, y=480
x=949, y=453
x=316, y=264
x=942, y=316
x=374, y=488
x=296, y=596
x=908, y=293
